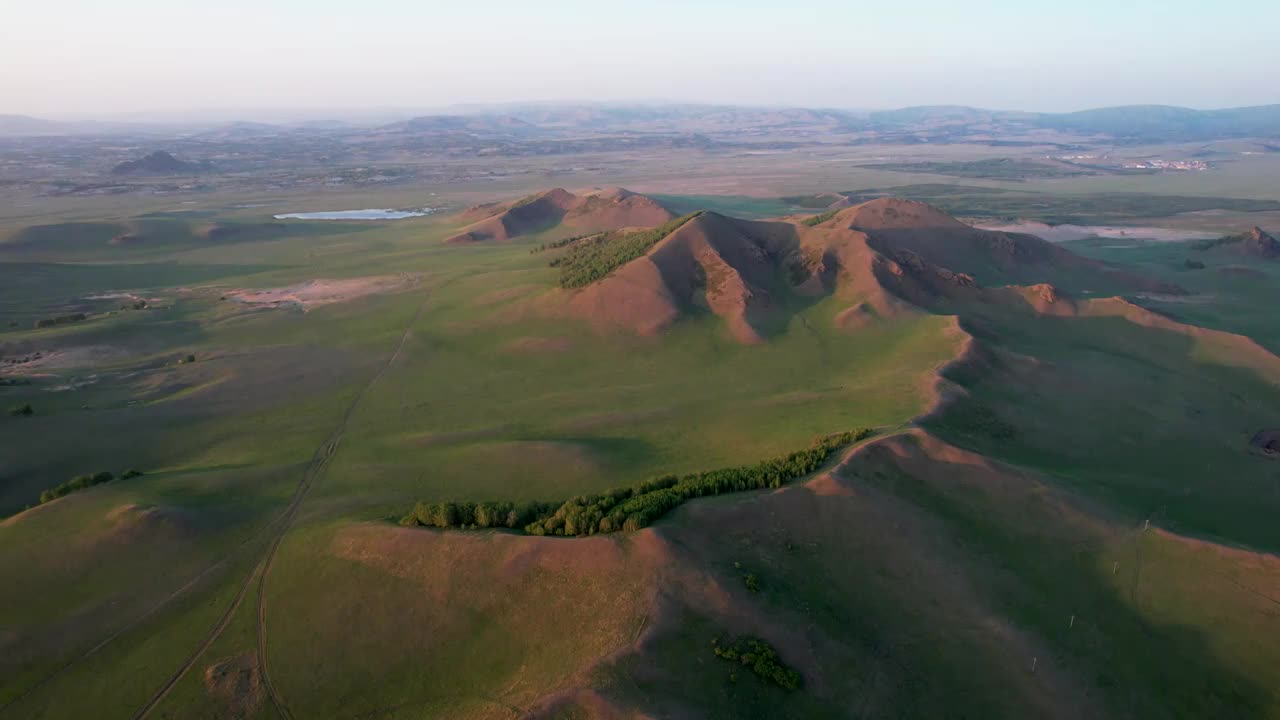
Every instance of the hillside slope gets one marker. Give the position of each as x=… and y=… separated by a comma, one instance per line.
x=879, y=258
x=1256, y=243
x=562, y=212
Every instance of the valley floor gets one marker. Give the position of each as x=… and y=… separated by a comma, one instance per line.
x=1065, y=512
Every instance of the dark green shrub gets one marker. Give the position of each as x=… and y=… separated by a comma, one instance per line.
x=819, y=218
x=762, y=658
x=22, y=410
x=75, y=484
x=60, y=320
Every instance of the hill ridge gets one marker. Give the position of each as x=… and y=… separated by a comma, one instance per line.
x=560, y=212
x=884, y=257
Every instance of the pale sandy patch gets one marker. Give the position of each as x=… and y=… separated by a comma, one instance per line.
x=314, y=293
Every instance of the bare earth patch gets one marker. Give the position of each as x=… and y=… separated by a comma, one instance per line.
x=314, y=293
x=236, y=685
x=74, y=357
x=1067, y=233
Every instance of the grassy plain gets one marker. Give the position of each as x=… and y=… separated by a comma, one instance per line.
x=885, y=583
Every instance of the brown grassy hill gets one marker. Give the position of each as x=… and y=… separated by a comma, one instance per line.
x=157, y=163
x=747, y=272
x=875, y=581
x=903, y=230
x=880, y=257
x=1256, y=243
x=563, y=211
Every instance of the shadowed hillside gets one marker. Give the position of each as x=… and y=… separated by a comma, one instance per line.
x=563, y=212
x=1066, y=509
x=1256, y=243
x=755, y=274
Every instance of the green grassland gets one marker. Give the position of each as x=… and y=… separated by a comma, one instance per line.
x=318, y=429
x=1086, y=207
x=462, y=413
x=1232, y=293
x=989, y=169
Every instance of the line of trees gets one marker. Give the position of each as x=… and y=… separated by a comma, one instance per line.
x=475, y=515
x=595, y=257
x=629, y=509
x=60, y=320
x=557, y=244
x=761, y=657
x=819, y=218
x=83, y=482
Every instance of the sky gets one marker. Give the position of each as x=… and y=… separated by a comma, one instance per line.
x=65, y=58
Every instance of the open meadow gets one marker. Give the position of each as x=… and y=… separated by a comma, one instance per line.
x=367, y=454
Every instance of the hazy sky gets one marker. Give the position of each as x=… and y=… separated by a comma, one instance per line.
x=61, y=57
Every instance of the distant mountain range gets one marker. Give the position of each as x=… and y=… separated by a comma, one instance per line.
x=1131, y=123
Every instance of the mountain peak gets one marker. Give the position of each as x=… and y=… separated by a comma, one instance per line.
x=896, y=214
x=159, y=162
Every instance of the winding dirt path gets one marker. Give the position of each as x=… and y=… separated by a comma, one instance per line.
x=314, y=470
x=148, y=614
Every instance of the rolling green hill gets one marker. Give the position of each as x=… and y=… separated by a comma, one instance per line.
x=1060, y=513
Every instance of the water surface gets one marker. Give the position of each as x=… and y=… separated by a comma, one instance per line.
x=366, y=214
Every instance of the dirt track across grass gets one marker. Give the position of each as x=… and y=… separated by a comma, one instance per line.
x=315, y=469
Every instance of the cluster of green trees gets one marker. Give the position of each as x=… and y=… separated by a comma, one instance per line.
x=595, y=257
x=761, y=657
x=22, y=410
x=819, y=218
x=60, y=320
x=475, y=515
x=557, y=244
x=631, y=508
x=526, y=200
x=83, y=482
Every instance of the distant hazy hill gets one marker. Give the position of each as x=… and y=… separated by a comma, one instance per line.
x=157, y=163
x=1170, y=123
x=928, y=123
x=945, y=114
x=1131, y=122
x=559, y=209
x=26, y=125
x=470, y=124
x=1255, y=243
